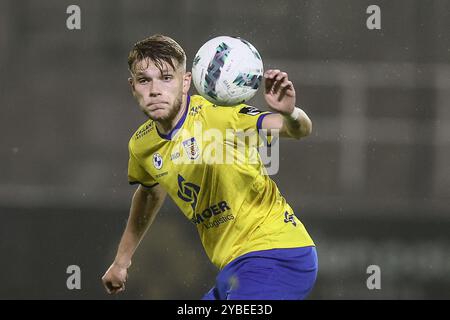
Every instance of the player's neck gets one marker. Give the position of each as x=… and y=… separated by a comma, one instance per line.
x=166, y=126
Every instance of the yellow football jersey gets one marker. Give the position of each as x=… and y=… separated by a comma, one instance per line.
x=220, y=187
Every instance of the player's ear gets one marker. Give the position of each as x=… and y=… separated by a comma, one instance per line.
x=187, y=82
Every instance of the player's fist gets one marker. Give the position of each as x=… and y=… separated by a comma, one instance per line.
x=114, y=279
x=279, y=91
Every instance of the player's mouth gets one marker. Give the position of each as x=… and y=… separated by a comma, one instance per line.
x=153, y=106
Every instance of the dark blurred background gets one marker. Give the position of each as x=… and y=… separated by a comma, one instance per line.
x=371, y=184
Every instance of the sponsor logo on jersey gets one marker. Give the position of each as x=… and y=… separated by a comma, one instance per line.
x=251, y=111
x=188, y=191
x=157, y=161
x=194, y=110
x=142, y=132
x=160, y=175
x=175, y=155
x=212, y=211
x=217, y=222
x=289, y=218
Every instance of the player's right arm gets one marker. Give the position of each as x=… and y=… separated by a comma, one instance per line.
x=145, y=205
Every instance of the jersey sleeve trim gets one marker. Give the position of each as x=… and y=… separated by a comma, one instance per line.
x=138, y=182
x=260, y=120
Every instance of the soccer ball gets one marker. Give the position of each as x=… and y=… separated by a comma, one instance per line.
x=227, y=71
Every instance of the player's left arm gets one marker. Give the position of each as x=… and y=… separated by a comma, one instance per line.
x=280, y=96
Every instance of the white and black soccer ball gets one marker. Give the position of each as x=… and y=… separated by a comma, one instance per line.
x=227, y=70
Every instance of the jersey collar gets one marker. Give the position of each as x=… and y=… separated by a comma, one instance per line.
x=179, y=123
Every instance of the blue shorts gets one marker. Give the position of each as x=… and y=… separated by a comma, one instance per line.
x=276, y=274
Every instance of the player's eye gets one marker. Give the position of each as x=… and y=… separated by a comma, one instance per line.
x=142, y=80
x=167, y=77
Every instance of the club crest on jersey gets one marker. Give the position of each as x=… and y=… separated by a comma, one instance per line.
x=191, y=148
x=157, y=161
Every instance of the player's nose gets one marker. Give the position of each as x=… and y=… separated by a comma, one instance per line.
x=155, y=89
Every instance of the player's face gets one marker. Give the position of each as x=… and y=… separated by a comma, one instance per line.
x=159, y=93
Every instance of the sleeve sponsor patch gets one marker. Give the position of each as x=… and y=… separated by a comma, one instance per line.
x=251, y=111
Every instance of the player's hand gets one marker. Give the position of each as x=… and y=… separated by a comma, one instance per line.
x=114, y=279
x=279, y=92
